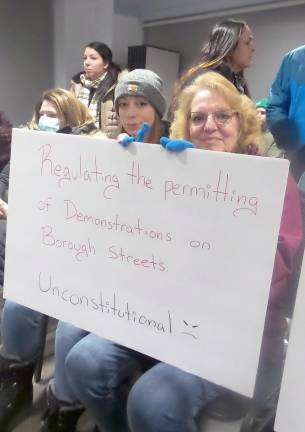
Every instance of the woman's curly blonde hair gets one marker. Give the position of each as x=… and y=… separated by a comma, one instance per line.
x=250, y=136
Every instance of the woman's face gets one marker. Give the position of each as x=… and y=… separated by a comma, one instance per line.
x=48, y=109
x=213, y=125
x=94, y=64
x=133, y=111
x=49, y=119
x=242, y=55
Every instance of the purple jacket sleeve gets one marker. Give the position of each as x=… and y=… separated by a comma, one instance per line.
x=289, y=242
x=290, y=238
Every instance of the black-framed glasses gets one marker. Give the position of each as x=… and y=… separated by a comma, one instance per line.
x=221, y=118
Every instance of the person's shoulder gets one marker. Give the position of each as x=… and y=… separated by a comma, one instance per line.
x=109, y=95
x=122, y=75
x=224, y=70
x=89, y=128
x=76, y=78
x=298, y=50
x=296, y=55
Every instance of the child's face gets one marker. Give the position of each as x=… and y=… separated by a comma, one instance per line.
x=133, y=111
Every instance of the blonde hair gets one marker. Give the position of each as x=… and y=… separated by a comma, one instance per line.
x=250, y=135
x=70, y=110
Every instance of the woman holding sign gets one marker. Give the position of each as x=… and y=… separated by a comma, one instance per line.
x=58, y=110
x=95, y=373
x=140, y=103
x=212, y=115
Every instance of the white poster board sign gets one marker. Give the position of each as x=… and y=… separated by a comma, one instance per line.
x=169, y=254
x=290, y=414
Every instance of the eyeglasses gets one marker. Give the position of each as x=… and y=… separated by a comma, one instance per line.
x=221, y=118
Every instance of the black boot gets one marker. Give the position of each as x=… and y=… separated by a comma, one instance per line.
x=16, y=392
x=60, y=416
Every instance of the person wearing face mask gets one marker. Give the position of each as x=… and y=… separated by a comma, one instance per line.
x=95, y=85
x=228, y=50
x=58, y=111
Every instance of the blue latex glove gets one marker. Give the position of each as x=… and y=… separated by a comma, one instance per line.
x=175, y=145
x=142, y=132
x=126, y=140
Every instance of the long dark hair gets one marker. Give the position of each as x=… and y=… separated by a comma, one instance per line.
x=222, y=41
x=113, y=69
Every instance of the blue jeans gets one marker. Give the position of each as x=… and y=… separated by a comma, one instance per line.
x=21, y=330
x=167, y=399
x=95, y=372
x=98, y=373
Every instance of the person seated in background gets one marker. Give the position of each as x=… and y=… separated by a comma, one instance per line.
x=105, y=366
x=95, y=85
x=270, y=148
x=57, y=110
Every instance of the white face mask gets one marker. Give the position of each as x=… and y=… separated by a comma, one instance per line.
x=48, y=124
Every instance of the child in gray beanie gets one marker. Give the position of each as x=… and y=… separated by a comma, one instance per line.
x=138, y=99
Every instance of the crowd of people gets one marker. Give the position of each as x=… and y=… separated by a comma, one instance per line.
x=211, y=109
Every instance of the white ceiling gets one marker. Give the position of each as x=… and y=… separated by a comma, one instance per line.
x=156, y=10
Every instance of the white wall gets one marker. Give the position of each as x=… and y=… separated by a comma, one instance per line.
x=275, y=32
x=27, y=39
x=127, y=31
x=79, y=22
x=26, y=55
x=160, y=9
x=76, y=23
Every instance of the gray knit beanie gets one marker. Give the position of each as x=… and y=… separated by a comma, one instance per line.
x=142, y=82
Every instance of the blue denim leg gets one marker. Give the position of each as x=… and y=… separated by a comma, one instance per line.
x=167, y=399
x=21, y=330
x=98, y=371
x=67, y=335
